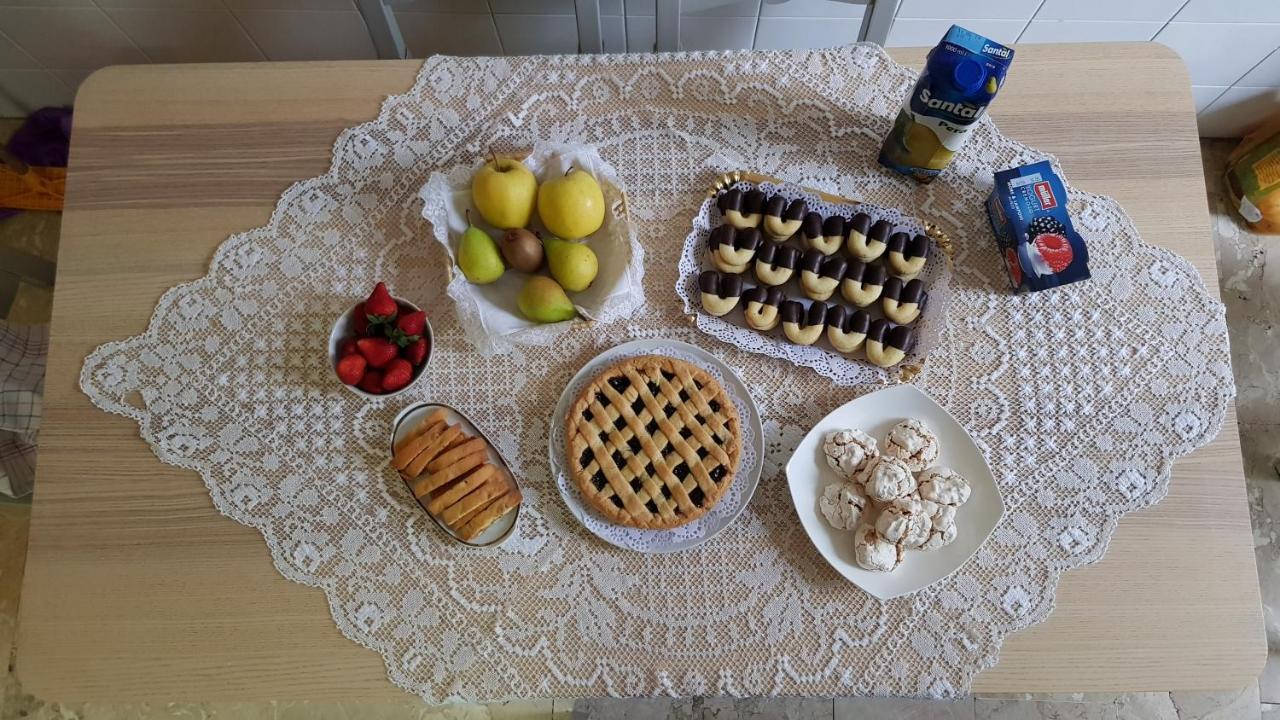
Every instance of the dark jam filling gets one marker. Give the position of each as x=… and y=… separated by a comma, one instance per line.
x=718, y=473
x=585, y=459
x=598, y=480
x=635, y=446
x=681, y=471
x=715, y=406
x=616, y=457
x=696, y=497
x=619, y=383
x=637, y=406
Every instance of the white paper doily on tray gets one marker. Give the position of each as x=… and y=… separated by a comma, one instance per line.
x=842, y=369
x=735, y=498
x=1127, y=372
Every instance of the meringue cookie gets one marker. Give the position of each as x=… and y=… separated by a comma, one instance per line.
x=943, y=530
x=849, y=451
x=944, y=486
x=912, y=442
x=873, y=552
x=904, y=521
x=887, y=478
x=842, y=505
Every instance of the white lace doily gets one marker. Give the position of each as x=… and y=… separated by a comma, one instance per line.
x=842, y=369
x=1137, y=356
x=733, y=502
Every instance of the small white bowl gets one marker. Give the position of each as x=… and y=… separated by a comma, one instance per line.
x=343, y=328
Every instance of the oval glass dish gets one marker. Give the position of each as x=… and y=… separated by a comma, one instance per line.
x=403, y=427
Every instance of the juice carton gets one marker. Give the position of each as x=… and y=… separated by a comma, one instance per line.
x=960, y=79
x=1028, y=213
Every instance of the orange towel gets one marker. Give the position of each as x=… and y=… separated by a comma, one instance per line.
x=39, y=188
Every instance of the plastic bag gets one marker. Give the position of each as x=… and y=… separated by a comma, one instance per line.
x=1253, y=178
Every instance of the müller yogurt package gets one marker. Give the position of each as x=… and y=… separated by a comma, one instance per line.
x=1028, y=213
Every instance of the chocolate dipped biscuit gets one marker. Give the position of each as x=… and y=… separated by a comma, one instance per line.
x=783, y=219
x=732, y=249
x=761, y=310
x=847, y=329
x=832, y=235
x=907, y=255
x=813, y=236
x=866, y=241
x=820, y=275
x=863, y=283
x=803, y=327
x=888, y=344
x=720, y=292
x=903, y=302
x=741, y=209
x=776, y=263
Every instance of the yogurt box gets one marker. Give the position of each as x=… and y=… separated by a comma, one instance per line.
x=1028, y=214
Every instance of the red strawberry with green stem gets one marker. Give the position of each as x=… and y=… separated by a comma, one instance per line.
x=351, y=369
x=380, y=307
x=409, y=328
x=378, y=351
x=397, y=375
x=415, y=352
x=360, y=321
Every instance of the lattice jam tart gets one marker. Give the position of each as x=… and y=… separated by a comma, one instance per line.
x=653, y=442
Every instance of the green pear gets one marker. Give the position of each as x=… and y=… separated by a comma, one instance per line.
x=543, y=300
x=478, y=255
x=573, y=265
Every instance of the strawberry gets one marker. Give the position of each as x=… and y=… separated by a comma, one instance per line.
x=361, y=321
x=414, y=323
x=398, y=374
x=371, y=382
x=415, y=352
x=378, y=351
x=351, y=369
x=380, y=307
x=348, y=347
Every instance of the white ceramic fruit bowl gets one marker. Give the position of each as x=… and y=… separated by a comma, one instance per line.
x=488, y=313
x=808, y=474
x=344, y=327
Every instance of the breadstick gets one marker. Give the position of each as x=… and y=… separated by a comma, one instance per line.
x=450, y=456
x=415, y=467
x=434, y=418
x=459, y=490
x=439, y=479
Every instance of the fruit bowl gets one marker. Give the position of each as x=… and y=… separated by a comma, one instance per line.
x=489, y=313
x=344, y=328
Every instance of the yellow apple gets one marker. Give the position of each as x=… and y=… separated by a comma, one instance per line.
x=504, y=191
x=572, y=205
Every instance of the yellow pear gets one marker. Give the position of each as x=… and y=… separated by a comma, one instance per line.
x=504, y=191
x=543, y=300
x=572, y=205
x=573, y=265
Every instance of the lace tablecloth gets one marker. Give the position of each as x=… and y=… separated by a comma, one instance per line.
x=1081, y=397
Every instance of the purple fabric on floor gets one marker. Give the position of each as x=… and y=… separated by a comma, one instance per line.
x=44, y=140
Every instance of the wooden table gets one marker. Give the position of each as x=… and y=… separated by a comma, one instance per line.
x=136, y=588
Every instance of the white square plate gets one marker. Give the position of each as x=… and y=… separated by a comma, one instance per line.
x=875, y=413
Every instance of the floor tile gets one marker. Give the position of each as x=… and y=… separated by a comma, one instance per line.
x=1236, y=705
x=723, y=708
x=637, y=709
x=903, y=709
x=1129, y=706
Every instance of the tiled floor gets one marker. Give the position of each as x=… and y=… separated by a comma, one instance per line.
x=1252, y=296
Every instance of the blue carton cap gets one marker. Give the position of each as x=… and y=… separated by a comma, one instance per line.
x=978, y=45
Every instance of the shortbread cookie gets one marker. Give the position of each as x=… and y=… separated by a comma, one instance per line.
x=904, y=521
x=849, y=451
x=887, y=478
x=944, y=486
x=842, y=504
x=912, y=442
x=873, y=552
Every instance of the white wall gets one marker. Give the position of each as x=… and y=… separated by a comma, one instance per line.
x=1229, y=46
